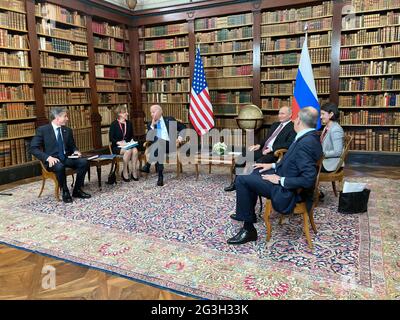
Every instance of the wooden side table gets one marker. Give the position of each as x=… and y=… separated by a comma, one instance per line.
x=212, y=159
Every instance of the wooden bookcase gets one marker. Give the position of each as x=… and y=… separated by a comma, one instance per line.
x=164, y=69
x=226, y=47
x=369, y=88
x=113, y=74
x=17, y=103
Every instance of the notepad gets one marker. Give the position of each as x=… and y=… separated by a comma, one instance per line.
x=107, y=156
x=93, y=157
x=129, y=145
x=73, y=156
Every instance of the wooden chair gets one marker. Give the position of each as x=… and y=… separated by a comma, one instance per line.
x=338, y=174
x=51, y=175
x=300, y=208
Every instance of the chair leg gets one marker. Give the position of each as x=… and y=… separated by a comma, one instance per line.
x=314, y=227
x=341, y=185
x=41, y=190
x=267, y=212
x=306, y=229
x=334, y=188
x=281, y=220
x=57, y=190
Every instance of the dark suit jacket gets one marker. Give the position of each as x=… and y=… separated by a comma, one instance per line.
x=44, y=143
x=116, y=135
x=284, y=138
x=168, y=120
x=298, y=166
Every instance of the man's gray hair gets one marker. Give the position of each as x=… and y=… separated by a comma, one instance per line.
x=309, y=117
x=288, y=107
x=54, y=112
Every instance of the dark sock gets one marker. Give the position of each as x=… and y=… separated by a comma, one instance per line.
x=248, y=226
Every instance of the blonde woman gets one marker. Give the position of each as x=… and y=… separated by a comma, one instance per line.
x=121, y=132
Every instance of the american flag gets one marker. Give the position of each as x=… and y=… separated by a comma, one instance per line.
x=200, y=111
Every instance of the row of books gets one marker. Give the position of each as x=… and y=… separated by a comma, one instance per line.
x=167, y=71
x=316, y=11
x=63, y=46
x=231, y=97
x=111, y=85
x=113, y=58
x=274, y=103
x=372, y=20
x=108, y=44
x=225, y=34
x=57, y=13
x=270, y=119
x=367, y=117
x=13, y=4
x=322, y=86
x=314, y=40
x=180, y=112
x=108, y=72
x=221, y=47
x=365, y=100
x=13, y=20
x=16, y=130
x=107, y=115
x=226, y=123
x=369, y=5
x=16, y=111
x=371, y=68
x=73, y=79
x=229, y=109
x=161, y=44
x=370, y=140
x=177, y=85
x=49, y=61
x=366, y=37
x=64, y=96
x=290, y=74
x=211, y=61
x=367, y=84
x=367, y=53
x=114, y=98
x=231, y=83
x=173, y=57
x=223, y=22
x=14, y=152
x=165, y=97
x=106, y=29
x=48, y=28
x=15, y=75
x=78, y=116
x=83, y=139
x=163, y=30
x=231, y=137
x=22, y=92
x=13, y=41
x=295, y=27
x=16, y=58
x=229, y=71
x=316, y=55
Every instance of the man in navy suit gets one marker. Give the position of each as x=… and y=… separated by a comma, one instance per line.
x=279, y=181
x=160, y=126
x=52, y=145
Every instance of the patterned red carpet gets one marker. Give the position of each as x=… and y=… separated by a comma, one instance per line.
x=175, y=237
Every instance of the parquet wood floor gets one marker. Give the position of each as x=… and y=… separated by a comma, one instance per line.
x=21, y=272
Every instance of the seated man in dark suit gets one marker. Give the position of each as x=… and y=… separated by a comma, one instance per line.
x=280, y=181
x=280, y=135
x=52, y=145
x=161, y=144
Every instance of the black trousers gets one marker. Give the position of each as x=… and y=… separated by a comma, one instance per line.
x=81, y=166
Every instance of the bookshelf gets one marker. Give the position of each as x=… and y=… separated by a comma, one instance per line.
x=282, y=38
x=112, y=69
x=226, y=47
x=164, y=69
x=369, y=80
x=17, y=102
x=64, y=65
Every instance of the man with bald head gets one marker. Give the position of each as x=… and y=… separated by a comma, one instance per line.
x=280, y=135
x=162, y=126
x=279, y=182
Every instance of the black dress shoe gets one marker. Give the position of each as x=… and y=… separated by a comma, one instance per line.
x=243, y=236
x=133, y=178
x=231, y=187
x=66, y=197
x=123, y=178
x=160, y=181
x=80, y=194
x=146, y=168
x=234, y=217
x=321, y=196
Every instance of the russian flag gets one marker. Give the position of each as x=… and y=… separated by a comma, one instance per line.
x=305, y=94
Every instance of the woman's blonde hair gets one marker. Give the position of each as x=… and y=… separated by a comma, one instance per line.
x=120, y=109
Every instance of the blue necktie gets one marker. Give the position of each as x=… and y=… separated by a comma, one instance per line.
x=60, y=145
x=158, y=130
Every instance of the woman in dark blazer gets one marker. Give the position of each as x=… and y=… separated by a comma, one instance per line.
x=121, y=132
